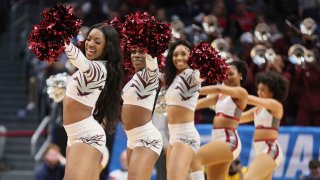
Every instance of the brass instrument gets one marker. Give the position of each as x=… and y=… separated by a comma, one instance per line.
x=307, y=29
x=210, y=24
x=177, y=27
x=257, y=54
x=57, y=86
x=227, y=56
x=262, y=33
x=296, y=54
x=270, y=55
x=309, y=56
x=222, y=47
x=299, y=55
x=308, y=26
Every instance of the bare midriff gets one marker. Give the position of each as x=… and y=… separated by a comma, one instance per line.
x=224, y=122
x=265, y=134
x=179, y=114
x=74, y=111
x=134, y=116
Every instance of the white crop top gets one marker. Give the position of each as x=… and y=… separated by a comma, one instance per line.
x=141, y=90
x=184, y=90
x=264, y=119
x=225, y=106
x=85, y=85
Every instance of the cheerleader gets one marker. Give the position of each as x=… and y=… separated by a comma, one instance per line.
x=92, y=99
x=229, y=100
x=267, y=113
x=183, y=85
x=144, y=143
x=143, y=34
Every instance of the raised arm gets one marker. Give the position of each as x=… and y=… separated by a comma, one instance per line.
x=207, y=101
x=151, y=63
x=77, y=58
x=247, y=116
x=93, y=73
x=152, y=69
x=270, y=104
x=235, y=92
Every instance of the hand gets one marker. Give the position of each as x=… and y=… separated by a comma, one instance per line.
x=149, y=57
x=197, y=77
x=62, y=159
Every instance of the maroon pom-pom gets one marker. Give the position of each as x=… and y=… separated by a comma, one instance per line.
x=143, y=31
x=206, y=59
x=118, y=24
x=161, y=62
x=47, y=38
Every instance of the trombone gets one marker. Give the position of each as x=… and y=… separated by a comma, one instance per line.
x=262, y=33
x=222, y=47
x=260, y=55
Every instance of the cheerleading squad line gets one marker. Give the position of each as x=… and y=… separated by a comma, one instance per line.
x=183, y=88
x=93, y=100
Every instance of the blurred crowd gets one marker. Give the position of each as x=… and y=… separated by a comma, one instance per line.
x=270, y=35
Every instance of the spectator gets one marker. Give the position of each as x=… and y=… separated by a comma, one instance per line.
x=53, y=165
x=314, y=171
x=236, y=171
x=219, y=11
x=306, y=87
x=161, y=15
x=243, y=17
x=94, y=12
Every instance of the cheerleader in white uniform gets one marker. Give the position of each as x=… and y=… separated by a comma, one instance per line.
x=267, y=113
x=93, y=88
x=145, y=142
x=181, y=96
x=229, y=101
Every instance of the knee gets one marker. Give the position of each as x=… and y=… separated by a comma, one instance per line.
x=196, y=165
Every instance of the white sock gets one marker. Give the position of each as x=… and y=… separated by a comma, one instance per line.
x=197, y=175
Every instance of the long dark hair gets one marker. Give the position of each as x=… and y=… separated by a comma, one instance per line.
x=277, y=84
x=108, y=105
x=170, y=70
